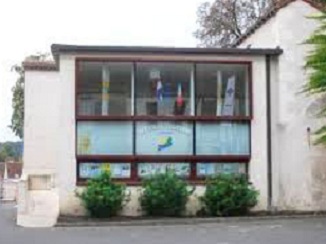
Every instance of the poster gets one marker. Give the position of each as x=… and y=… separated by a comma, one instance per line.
x=164, y=138
x=148, y=169
x=92, y=170
x=104, y=138
x=210, y=169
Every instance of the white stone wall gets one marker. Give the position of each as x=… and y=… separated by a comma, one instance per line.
x=38, y=199
x=299, y=170
x=41, y=128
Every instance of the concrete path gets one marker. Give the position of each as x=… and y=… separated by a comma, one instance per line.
x=305, y=231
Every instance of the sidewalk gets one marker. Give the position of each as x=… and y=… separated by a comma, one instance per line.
x=66, y=221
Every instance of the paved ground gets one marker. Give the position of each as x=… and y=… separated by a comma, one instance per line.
x=305, y=231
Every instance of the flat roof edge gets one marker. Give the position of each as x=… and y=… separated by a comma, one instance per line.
x=60, y=48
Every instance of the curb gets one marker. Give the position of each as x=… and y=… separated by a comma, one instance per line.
x=177, y=221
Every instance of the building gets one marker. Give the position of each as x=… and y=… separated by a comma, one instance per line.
x=299, y=166
x=200, y=112
x=10, y=173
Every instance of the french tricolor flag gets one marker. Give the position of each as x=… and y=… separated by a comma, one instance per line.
x=179, y=96
x=159, y=91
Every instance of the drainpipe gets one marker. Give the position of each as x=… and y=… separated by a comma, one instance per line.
x=269, y=134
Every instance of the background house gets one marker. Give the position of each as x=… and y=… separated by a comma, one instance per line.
x=10, y=173
x=299, y=167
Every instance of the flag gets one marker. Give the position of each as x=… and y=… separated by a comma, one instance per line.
x=228, y=108
x=105, y=90
x=179, y=96
x=159, y=91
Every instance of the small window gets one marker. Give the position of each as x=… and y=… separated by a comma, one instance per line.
x=104, y=88
x=163, y=89
x=222, y=90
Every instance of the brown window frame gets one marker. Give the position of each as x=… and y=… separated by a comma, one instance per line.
x=135, y=159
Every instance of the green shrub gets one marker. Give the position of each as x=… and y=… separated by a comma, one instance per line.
x=165, y=195
x=228, y=195
x=102, y=197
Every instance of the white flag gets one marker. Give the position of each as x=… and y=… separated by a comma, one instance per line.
x=228, y=108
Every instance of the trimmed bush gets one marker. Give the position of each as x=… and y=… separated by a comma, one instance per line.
x=103, y=198
x=228, y=195
x=165, y=195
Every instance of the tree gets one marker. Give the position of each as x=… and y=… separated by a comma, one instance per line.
x=223, y=21
x=316, y=66
x=6, y=152
x=17, y=119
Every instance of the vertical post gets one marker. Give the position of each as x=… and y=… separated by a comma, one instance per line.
x=192, y=91
x=132, y=104
x=248, y=93
x=134, y=163
x=269, y=133
x=105, y=89
x=219, y=93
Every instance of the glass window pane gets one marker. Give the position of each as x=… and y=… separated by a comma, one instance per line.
x=222, y=90
x=163, y=88
x=222, y=138
x=91, y=170
x=211, y=169
x=149, y=169
x=164, y=138
x=104, y=138
x=104, y=88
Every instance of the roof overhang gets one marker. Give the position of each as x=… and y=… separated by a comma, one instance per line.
x=58, y=49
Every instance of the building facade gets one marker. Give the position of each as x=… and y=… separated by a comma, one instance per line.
x=141, y=111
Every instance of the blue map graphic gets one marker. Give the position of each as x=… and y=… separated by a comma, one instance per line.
x=164, y=142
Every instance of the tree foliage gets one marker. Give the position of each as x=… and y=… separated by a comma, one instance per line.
x=17, y=118
x=316, y=66
x=10, y=151
x=223, y=21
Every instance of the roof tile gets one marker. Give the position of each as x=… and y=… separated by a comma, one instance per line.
x=40, y=66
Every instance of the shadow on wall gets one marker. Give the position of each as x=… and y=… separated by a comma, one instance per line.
x=318, y=176
x=318, y=159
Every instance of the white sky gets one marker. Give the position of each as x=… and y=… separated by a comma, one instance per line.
x=28, y=27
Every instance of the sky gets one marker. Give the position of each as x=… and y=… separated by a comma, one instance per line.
x=29, y=27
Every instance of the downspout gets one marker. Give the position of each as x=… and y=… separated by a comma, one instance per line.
x=269, y=134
